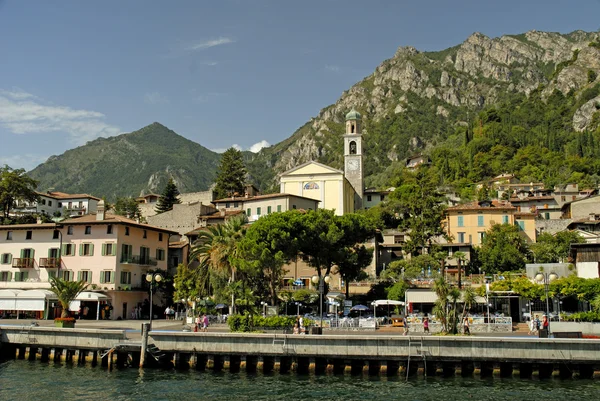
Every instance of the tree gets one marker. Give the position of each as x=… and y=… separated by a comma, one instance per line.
x=503, y=249
x=484, y=193
x=129, y=207
x=554, y=248
x=168, y=198
x=15, y=186
x=420, y=206
x=66, y=291
x=352, y=263
x=460, y=258
x=231, y=175
x=469, y=299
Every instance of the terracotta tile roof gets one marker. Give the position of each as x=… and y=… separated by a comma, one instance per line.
x=178, y=244
x=218, y=215
x=113, y=219
x=28, y=226
x=62, y=195
x=531, y=198
x=495, y=205
x=261, y=197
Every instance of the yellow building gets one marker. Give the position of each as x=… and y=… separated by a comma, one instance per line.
x=467, y=223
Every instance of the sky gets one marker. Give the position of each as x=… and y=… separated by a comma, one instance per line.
x=244, y=73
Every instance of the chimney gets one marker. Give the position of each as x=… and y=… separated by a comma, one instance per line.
x=100, y=214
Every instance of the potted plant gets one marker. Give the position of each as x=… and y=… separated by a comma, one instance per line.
x=66, y=291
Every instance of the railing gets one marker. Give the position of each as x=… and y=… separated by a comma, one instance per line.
x=139, y=260
x=50, y=263
x=23, y=263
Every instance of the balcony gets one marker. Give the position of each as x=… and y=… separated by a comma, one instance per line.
x=23, y=263
x=50, y=263
x=138, y=260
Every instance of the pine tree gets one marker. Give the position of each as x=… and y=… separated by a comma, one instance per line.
x=231, y=176
x=168, y=198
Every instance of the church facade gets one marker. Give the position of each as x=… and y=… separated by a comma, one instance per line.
x=338, y=190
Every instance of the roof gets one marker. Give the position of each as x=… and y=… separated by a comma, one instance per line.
x=62, y=195
x=331, y=169
x=531, y=198
x=261, y=197
x=523, y=214
x=495, y=205
x=353, y=115
x=113, y=219
x=178, y=244
x=585, y=221
x=47, y=226
x=218, y=215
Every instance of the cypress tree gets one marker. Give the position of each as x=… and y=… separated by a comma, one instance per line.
x=231, y=176
x=168, y=198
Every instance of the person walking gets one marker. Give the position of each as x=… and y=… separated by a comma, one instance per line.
x=405, y=325
x=205, y=323
x=198, y=323
x=301, y=324
x=426, y=325
x=466, y=330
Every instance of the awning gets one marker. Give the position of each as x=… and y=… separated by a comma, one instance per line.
x=421, y=297
x=381, y=302
x=33, y=300
x=87, y=296
x=8, y=299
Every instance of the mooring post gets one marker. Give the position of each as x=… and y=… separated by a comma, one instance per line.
x=145, y=330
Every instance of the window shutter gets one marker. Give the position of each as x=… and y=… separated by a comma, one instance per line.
x=78, y=276
x=22, y=253
x=101, y=277
x=32, y=253
x=89, y=280
x=103, y=249
x=9, y=276
x=9, y=262
x=25, y=276
x=114, y=250
x=80, y=249
x=112, y=277
x=91, y=249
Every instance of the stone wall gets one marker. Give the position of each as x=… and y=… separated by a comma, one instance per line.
x=551, y=226
x=183, y=218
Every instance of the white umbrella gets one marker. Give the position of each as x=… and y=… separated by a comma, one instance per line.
x=387, y=302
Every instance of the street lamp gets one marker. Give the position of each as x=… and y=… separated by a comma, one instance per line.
x=152, y=278
x=546, y=279
x=320, y=281
x=298, y=305
x=559, y=303
x=264, y=306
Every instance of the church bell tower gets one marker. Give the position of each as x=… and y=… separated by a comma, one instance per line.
x=353, y=156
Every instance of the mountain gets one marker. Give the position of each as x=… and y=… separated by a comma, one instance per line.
x=129, y=164
x=417, y=101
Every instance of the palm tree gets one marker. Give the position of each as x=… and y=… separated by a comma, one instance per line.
x=440, y=309
x=460, y=258
x=66, y=291
x=217, y=247
x=468, y=298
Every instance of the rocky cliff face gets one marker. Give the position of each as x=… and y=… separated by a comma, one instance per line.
x=464, y=78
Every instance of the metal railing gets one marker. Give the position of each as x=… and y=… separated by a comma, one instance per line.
x=139, y=260
x=50, y=263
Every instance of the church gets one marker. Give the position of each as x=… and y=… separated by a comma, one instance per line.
x=338, y=190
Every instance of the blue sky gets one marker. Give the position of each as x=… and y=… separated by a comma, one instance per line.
x=217, y=72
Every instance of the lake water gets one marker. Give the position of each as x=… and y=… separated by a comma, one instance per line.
x=36, y=381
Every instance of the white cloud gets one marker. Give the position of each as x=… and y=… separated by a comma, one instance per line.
x=209, y=43
x=254, y=148
x=332, y=68
x=209, y=63
x=27, y=161
x=258, y=146
x=155, y=98
x=24, y=113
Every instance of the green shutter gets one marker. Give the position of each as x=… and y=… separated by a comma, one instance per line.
x=89, y=280
x=112, y=277
x=80, y=249
x=49, y=252
x=32, y=253
x=78, y=276
x=9, y=276
x=114, y=250
x=101, y=277
x=25, y=276
x=9, y=258
x=22, y=253
x=91, y=249
x=103, y=249
x=72, y=249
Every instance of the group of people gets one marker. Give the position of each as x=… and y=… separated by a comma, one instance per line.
x=535, y=325
x=201, y=323
x=299, y=325
x=169, y=313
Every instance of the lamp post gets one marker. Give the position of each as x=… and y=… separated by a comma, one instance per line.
x=298, y=304
x=559, y=303
x=152, y=278
x=264, y=307
x=320, y=281
x=546, y=279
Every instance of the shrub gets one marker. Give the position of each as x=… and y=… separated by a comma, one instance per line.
x=591, y=316
x=246, y=323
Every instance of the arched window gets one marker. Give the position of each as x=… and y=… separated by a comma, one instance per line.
x=311, y=185
x=352, y=148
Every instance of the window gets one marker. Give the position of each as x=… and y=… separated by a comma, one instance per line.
x=126, y=230
x=88, y=230
x=160, y=254
x=268, y=209
x=29, y=235
x=279, y=208
x=563, y=198
x=227, y=205
x=547, y=216
x=294, y=207
x=43, y=201
x=109, y=249
x=53, y=253
x=126, y=253
x=28, y=254
x=480, y=237
x=55, y=234
x=479, y=221
x=109, y=229
x=368, y=198
x=461, y=221
x=521, y=225
x=461, y=238
x=107, y=277
x=258, y=211
x=144, y=255
x=86, y=249
x=235, y=204
x=59, y=204
x=382, y=197
x=9, y=235
x=145, y=234
x=80, y=204
x=49, y=203
x=68, y=275
x=6, y=258
x=504, y=219
x=70, y=205
x=248, y=212
x=68, y=250
x=21, y=276
x=125, y=277
x=70, y=230
x=160, y=237
x=5, y=276
x=84, y=275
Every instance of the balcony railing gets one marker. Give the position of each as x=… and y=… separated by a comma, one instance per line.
x=139, y=260
x=49, y=263
x=23, y=263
